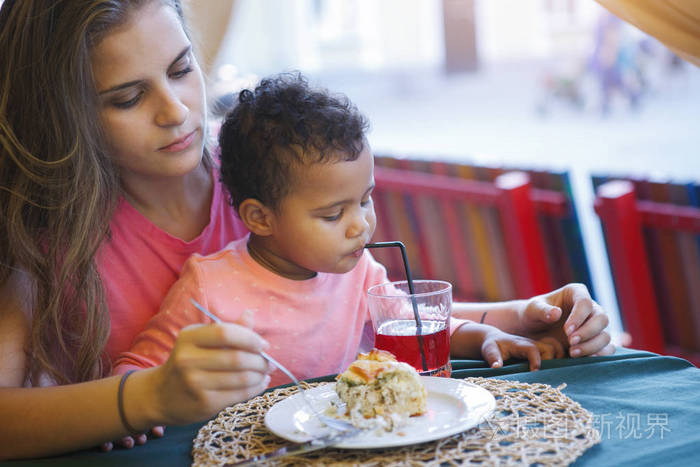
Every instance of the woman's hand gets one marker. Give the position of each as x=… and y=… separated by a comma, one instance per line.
x=211, y=366
x=570, y=316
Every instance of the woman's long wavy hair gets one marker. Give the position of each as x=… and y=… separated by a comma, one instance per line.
x=58, y=186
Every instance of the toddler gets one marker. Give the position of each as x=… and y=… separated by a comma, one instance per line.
x=299, y=172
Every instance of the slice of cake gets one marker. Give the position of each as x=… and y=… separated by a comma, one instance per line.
x=380, y=391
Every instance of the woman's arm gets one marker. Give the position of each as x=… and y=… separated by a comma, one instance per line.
x=44, y=421
x=14, y=330
x=568, y=314
x=503, y=315
x=210, y=367
x=50, y=420
x=192, y=386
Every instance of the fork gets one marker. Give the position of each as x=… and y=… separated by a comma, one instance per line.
x=336, y=424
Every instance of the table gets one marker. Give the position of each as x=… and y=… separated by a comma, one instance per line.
x=646, y=407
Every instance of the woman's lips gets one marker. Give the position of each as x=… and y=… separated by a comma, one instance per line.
x=180, y=144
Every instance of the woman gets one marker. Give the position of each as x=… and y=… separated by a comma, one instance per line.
x=105, y=189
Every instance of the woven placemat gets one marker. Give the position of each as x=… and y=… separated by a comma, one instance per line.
x=532, y=424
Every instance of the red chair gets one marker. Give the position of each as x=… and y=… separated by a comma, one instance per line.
x=425, y=211
x=653, y=251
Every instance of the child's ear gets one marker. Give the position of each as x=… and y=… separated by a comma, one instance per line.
x=256, y=216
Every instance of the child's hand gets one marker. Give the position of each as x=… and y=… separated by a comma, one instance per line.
x=499, y=346
x=129, y=442
x=471, y=340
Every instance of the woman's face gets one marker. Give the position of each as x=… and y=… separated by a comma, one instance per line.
x=151, y=92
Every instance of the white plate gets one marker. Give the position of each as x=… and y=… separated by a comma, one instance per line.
x=454, y=406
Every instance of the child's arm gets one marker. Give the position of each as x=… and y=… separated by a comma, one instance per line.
x=153, y=345
x=473, y=340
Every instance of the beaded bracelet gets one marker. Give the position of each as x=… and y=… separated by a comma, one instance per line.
x=120, y=403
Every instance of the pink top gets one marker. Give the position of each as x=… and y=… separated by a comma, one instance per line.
x=140, y=262
x=314, y=326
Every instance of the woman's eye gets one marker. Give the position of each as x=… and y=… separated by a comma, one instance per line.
x=366, y=202
x=181, y=73
x=182, y=67
x=127, y=103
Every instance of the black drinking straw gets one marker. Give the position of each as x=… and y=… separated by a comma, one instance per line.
x=409, y=277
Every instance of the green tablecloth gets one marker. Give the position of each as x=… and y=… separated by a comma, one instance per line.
x=646, y=407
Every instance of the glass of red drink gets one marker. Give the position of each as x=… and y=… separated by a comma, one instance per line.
x=414, y=326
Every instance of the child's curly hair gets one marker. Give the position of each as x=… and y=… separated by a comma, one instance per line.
x=283, y=124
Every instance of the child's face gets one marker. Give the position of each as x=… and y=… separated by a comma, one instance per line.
x=325, y=222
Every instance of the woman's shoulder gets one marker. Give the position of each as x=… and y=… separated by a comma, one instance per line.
x=15, y=319
x=16, y=294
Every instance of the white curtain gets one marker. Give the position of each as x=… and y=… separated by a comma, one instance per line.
x=208, y=21
x=676, y=23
